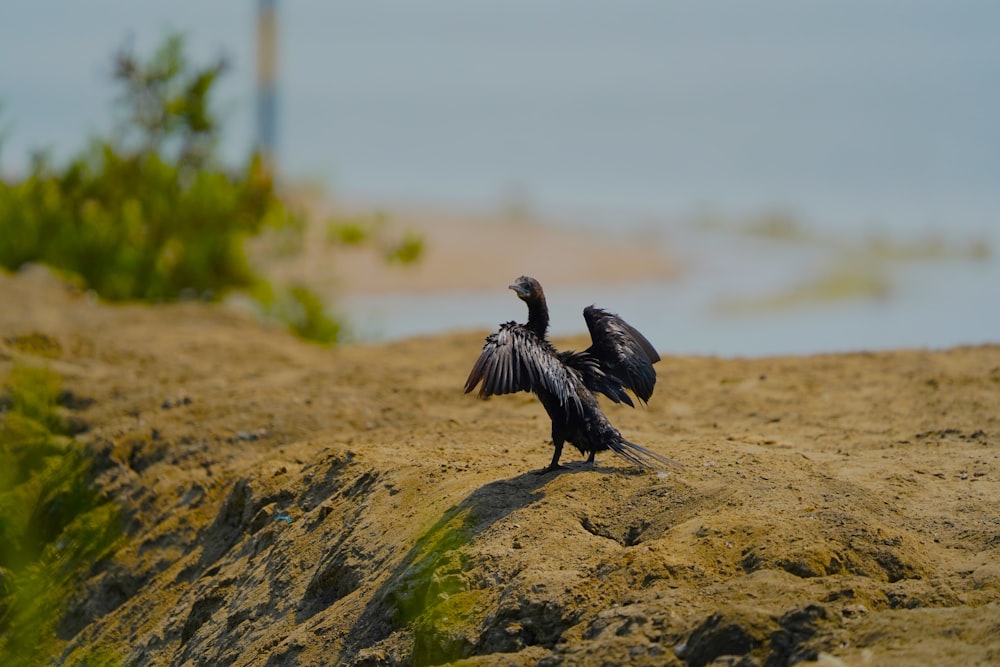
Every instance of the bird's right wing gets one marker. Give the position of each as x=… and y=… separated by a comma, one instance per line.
x=514, y=359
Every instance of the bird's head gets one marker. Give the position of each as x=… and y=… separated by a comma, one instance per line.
x=527, y=288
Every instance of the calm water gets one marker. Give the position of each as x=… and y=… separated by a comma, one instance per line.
x=856, y=117
x=936, y=304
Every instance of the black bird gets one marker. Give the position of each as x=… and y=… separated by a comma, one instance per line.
x=519, y=357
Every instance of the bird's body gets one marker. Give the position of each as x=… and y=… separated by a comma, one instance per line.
x=519, y=357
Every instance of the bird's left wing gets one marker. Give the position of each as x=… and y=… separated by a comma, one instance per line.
x=621, y=351
x=514, y=359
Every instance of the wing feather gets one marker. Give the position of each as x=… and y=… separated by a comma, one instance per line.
x=594, y=377
x=513, y=359
x=622, y=353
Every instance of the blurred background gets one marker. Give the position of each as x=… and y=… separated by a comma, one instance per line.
x=815, y=177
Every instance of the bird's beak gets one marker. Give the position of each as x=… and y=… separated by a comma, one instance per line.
x=517, y=288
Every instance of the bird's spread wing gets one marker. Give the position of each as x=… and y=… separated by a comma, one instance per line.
x=514, y=359
x=594, y=376
x=622, y=353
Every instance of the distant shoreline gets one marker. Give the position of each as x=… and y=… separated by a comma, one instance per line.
x=463, y=251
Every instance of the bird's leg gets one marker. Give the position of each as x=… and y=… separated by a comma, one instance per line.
x=582, y=465
x=557, y=442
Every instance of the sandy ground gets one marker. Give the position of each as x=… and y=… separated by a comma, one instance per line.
x=293, y=505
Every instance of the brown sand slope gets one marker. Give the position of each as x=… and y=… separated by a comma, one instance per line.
x=289, y=504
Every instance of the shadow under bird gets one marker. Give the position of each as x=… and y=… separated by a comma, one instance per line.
x=519, y=357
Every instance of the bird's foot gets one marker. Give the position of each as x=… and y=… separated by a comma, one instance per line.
x=551, y=468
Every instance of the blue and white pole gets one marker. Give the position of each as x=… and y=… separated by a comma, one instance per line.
x=267, y=88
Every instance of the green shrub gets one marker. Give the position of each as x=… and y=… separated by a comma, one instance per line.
x=354, y=231
x=146, y=213
x=301, y=310
x=406, y=250
x=371, y=230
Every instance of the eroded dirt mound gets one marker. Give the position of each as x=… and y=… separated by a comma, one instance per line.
x=288, y=504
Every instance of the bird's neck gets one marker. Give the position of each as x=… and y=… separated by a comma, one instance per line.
x=538, y=317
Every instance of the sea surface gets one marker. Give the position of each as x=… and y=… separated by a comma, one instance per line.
x=857, y=120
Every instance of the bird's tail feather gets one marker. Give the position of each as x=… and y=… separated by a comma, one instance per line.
x=642, y=457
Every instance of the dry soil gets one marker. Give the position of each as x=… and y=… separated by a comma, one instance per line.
x=287, y=504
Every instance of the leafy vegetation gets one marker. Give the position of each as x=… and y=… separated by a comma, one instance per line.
x=370, y=230
x=54, y=524
x=149, y=213
x=301, y=310
x=146, y=213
